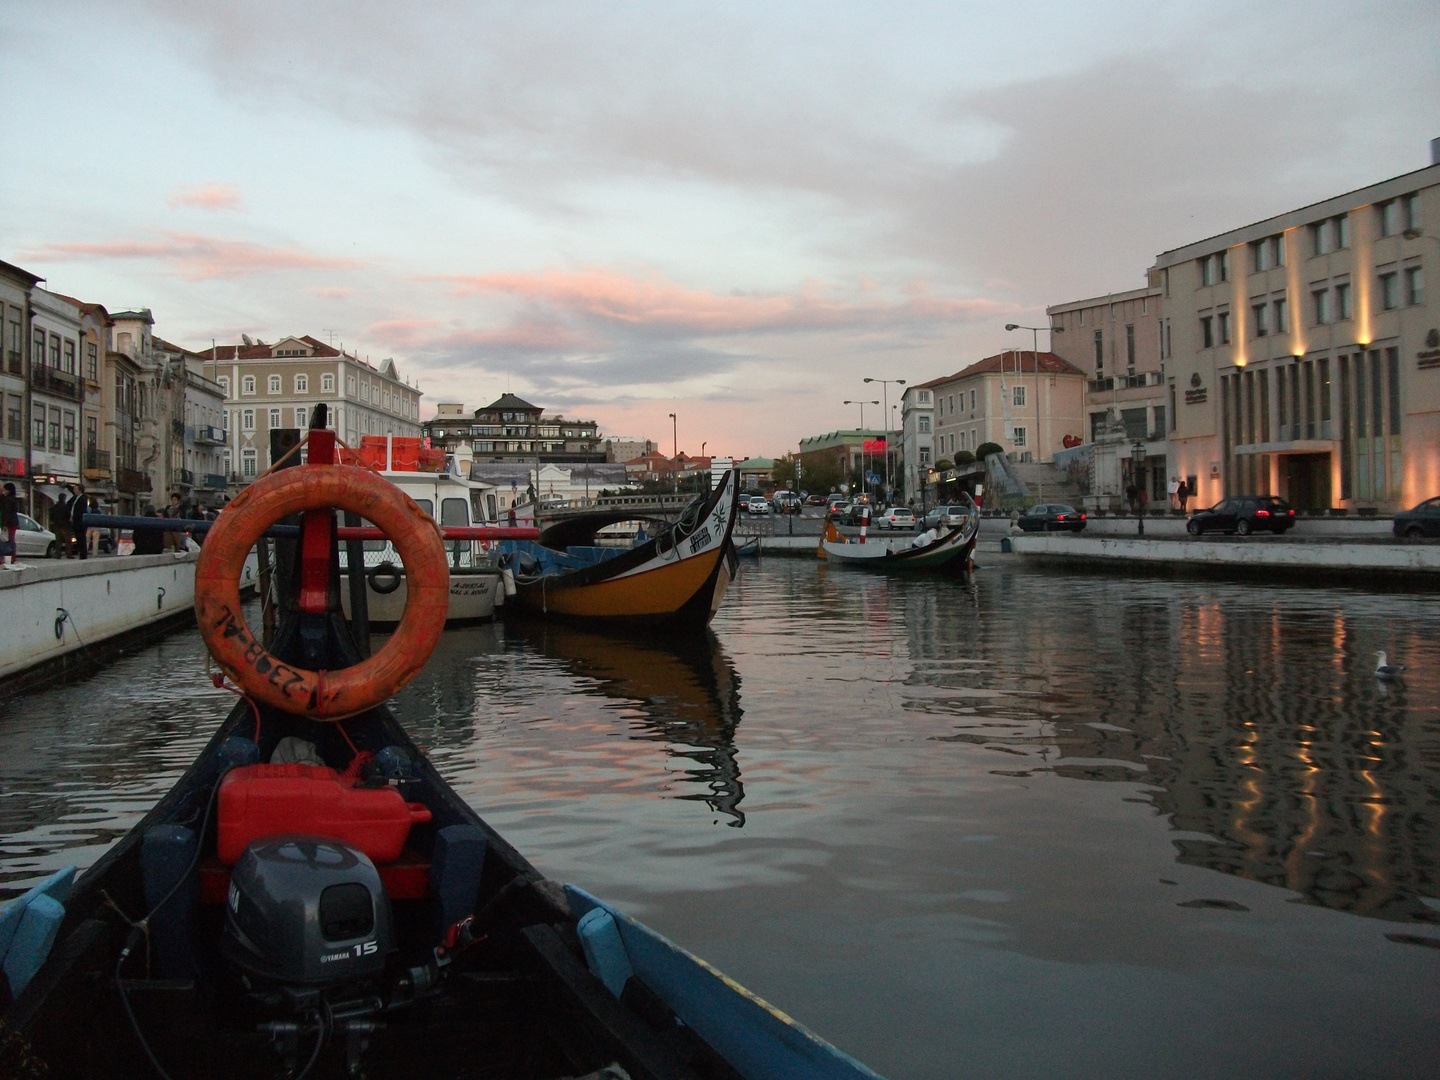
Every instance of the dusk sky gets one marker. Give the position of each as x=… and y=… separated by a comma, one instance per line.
x=733, y=212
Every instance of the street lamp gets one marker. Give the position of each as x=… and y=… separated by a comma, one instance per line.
x=1137, y=477
x=885, y=394
x=675, y=450
x=864, y=462
x=1035, y=353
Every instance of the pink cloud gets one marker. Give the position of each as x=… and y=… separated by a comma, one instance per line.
x=208, y=196
x=423, y=334
x=200, y=258
x=622, y=298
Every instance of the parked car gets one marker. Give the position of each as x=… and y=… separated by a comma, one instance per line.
x=1244, y=514
x=1423, y=520
x=946, y=517
x=897, y=517
x=34, y=541
x=787, y=502
x=1052, y=517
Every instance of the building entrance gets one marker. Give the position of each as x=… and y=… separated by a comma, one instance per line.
x=1307, y=481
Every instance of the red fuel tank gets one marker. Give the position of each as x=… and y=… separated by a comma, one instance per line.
x=266, y=800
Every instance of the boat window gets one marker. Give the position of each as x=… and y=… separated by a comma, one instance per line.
x=428, y=505
x=491, y=515
x=454, y=512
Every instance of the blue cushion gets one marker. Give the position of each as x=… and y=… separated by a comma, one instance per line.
x=57, y=886
x=33, y=938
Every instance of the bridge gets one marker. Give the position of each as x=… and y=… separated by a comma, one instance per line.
x=643, y=506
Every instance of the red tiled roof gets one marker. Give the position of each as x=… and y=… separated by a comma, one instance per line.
x=1014, y=360
x=261, y=351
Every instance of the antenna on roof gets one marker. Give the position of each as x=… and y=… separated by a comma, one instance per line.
x=331, y=334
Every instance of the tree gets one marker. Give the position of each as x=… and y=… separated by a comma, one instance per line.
x=819, y=473
x=986, y=449
x=784, y=472
x=944, y=465
x=964, y=457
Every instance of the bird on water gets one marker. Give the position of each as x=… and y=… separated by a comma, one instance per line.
x=1384, y=669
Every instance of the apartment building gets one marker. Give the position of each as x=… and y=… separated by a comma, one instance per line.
x=1306, y=355
x=1119, y=341
x=1023, y=403
x=510, y=429
x=15, y=287
x=917, y=441
x=270, y=386
x=57, y=394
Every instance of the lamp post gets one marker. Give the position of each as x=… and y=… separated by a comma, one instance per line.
x=885, y=395
x=675, y=451
x=864, y=463
x=1035, y=353
x=1137, y=477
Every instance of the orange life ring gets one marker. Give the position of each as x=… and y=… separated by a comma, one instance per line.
x=321, y=695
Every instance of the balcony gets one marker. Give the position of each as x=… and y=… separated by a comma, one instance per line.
x=97, y=464
x=55, y=382
x=184, y=477
x=132, y=481
x=216, y=481
x=210, y=436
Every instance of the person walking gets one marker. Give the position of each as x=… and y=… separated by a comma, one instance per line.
x=79, y=507
x=1182, y=493
x=60, y=524
x=1173, y=490
x=9, y=520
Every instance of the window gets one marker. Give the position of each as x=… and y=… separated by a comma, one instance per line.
x=924, y=425
x=37, y=435
x=327, y=383
x=37, y=350
x=1017, y=436
x=54, y=429
x=1130, y=346
x=1165, y=339
x=14, y=418
x=302, y=384
x=1224, y=260
x=1414, y=286
x=952, y=402
x=1412, y=212
x=273, y=385
x=1341, y=229
x=1320, y=238
x=1207, y=332
x=924, y=397
x=924, y=455
x=247, y=464
x=1389, y=213
x=247, y=384
x=1342, y=301
x=1018, y=397
x=224, y=383
x=1099, y=350
x=1082, y=316
x=1159, y=420
x=1282, y=315
x=274, y=419
x=301, y=420
x=350, y=385
x=92, y=362
x=1222, y=322
x=1260, y=319
x=1389, y=291
x=55, y=351
x=69, y=357
x=247, y=420
x=1268, y=253
x=1321, y=298
x=68, y=445
x=972, y=400
x=1207, y=271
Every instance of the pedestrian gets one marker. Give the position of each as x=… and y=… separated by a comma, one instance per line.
x=79, y=507
x=148, y=540
x=1132, y=496
x=1173, y=491
x=60, y=523
x=510, y=517
x=1182, y=493
x=9, y=521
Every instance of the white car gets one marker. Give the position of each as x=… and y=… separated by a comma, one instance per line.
x=759, y=504
x=33, y=541
x=897, y=517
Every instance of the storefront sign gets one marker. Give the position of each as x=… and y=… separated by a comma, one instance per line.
x=1197, y=397
x=12, y=466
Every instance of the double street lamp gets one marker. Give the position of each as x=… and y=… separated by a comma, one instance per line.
x=864, y=462
x=885, y=393
x=1035, y=352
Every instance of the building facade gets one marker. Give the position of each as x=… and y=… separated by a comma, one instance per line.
x=57, y=396
x=1003, y=399
x=510, y=429
x=271, y=386
x=839, y=456
x=16, y=285
x=1306, y=354
x=917, y=441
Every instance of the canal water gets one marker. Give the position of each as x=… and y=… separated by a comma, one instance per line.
x=1035, y=825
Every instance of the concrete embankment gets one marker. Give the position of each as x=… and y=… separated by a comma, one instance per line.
x=66, y=615
x=1333, y=559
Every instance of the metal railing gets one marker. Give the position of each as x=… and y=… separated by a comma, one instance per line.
x=216, y=481
x=132, y=481
x=97, y=460
x=184, y=476
x=55, y=382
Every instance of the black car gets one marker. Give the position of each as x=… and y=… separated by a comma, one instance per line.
x=1424, y=520
x=1052, y=517
x=1244, y=514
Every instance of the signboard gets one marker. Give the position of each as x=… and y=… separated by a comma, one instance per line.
x=12, y=466
x=874, y=446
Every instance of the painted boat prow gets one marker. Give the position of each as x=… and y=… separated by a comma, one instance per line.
x=760, y=1041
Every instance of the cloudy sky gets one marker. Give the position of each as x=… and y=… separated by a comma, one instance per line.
x=733, y=211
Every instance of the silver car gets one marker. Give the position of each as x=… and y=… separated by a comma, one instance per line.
x=33, y=541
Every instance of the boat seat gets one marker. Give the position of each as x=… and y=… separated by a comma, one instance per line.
x=407, y=878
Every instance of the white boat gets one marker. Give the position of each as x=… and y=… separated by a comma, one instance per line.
x=454, y=501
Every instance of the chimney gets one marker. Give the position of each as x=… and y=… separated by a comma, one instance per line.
x=1435, y=151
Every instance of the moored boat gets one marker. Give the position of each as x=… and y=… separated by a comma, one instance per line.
x=313, y=899
x=678, y=576
x=929, y=552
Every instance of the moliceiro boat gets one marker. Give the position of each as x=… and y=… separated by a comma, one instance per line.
x=678, y=576
x=312, y=899
x=929, y=552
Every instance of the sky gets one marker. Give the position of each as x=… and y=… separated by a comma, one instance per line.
x=734, y=212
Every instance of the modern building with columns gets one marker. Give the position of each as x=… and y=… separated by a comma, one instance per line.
x=1303, y=355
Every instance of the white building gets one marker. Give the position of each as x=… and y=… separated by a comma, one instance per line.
x=917, y=440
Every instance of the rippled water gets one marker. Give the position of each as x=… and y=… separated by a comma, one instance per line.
x=1039, y=826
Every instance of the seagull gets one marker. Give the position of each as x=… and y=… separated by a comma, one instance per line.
x=1386, y=670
